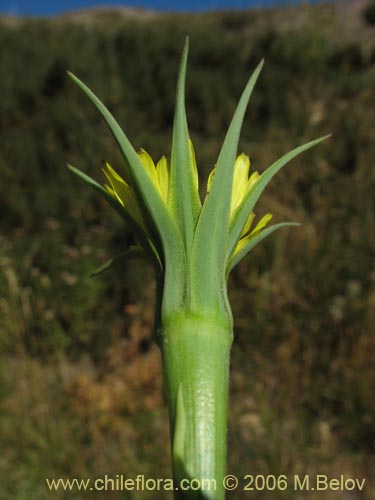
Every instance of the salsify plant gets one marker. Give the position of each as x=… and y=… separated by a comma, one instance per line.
x=193, y=245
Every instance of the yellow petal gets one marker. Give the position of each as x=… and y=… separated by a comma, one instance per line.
x=210, y=179
x=240, y=180
x=162, y=174
x=124, y=194
x=149, y=165
x=261, y=225
x=112, y=175
x=252, y=180
x=195, y=169
x=117, y=184
x=110, y=191
x=247, y=226
x=258, y=228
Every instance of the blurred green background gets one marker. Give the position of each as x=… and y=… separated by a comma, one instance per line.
x=80, y=378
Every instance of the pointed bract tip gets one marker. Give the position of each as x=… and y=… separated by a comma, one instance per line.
x=260, y=65
x=186, y=46
x=73, y=77
x=323, y=138
x=75, y=170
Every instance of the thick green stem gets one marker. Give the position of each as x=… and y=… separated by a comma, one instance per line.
x=196, y=369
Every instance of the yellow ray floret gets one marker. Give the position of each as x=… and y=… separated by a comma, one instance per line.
x=251, y=234
x=159, y=175
x=124, y=193
x=242, y=183
x=195, y=169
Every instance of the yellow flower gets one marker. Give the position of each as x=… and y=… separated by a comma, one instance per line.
x=124, y=193
x=242, y=183
x=119, y=189
x=159, y=174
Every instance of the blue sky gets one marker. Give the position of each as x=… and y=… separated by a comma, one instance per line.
x=48, y=7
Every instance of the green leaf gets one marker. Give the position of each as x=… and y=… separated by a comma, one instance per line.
x=146, y=243
x=242, y=213
x=208, y=257
x=154, y=207
x=183, y=190
x=252, y=242
x=131, y=253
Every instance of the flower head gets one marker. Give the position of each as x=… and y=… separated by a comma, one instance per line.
x=193, y=244
x=125, y=195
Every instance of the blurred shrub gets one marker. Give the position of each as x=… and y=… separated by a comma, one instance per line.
x=369, y=12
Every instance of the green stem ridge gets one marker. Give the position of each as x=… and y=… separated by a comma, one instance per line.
x=195, y=354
